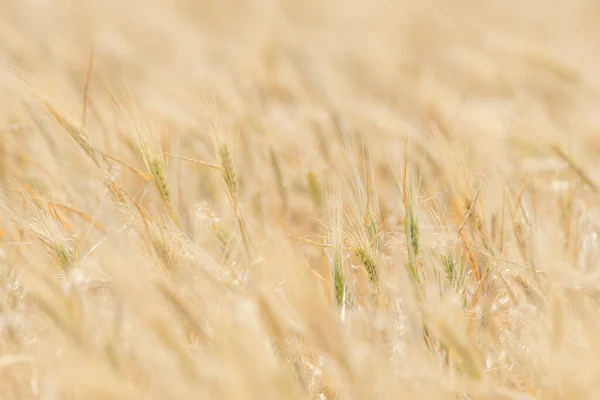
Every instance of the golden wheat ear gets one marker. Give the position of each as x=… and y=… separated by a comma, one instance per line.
x=155, y=165
x=230, y=179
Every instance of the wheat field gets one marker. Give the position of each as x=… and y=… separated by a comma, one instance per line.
x=299, y=199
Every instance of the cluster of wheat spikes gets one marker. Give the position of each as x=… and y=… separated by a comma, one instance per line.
x=299, y=199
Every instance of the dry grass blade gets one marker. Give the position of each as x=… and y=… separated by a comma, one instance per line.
x=215, y=166
x=142, y=174
x=575, y=167
x=86, y=87
x=382, y=225
x=471, y=207
x=84, y=216
x=309, y=241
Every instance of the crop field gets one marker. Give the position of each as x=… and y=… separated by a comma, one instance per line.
x=299, y=199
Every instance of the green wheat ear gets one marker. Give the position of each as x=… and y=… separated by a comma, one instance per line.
x=315, y=188
x=229, y=174
x=369, y=263
x=231, y=184
x=155, y=165
x=411, y=229
x=64, y=256
x=373, y=231
x=279, y=179
x=449, y=267
x=156, y=169
x=338, y=279
x=224, y=237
